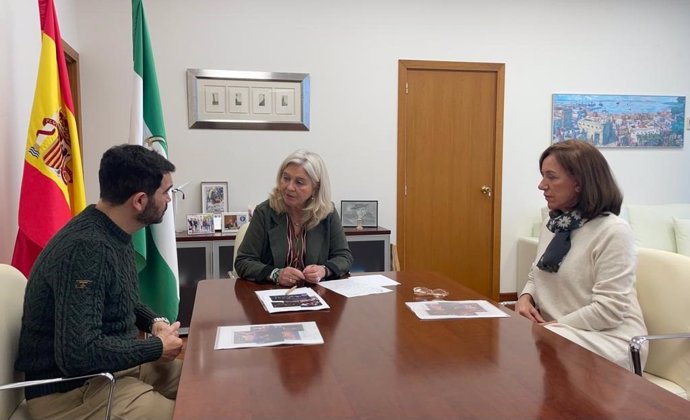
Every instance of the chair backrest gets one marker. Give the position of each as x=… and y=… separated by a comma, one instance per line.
x=395, y=260
x=663, y=289
x=239, y=237
x=12, y=286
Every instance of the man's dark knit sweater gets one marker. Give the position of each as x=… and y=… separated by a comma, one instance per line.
x=82, y=311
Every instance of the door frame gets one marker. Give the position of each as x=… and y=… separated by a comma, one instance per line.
x=72, y=61
x=499, y=69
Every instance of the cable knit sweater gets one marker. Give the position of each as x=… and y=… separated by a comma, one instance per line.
x=82, y=311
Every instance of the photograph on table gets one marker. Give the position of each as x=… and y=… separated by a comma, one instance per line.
x=359, y=213
x=201, y=223
x=232, y=221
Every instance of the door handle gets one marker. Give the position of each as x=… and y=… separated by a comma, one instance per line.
x=486, y=190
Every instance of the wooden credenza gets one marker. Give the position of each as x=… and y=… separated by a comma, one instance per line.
x=211, y=256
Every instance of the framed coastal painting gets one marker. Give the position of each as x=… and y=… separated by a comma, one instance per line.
x=214, y=197
x=619, y=121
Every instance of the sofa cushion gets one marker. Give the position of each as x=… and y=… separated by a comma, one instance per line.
x=681, y=227
x=653, y=224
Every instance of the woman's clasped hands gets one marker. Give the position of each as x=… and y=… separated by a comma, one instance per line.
x=290, y=276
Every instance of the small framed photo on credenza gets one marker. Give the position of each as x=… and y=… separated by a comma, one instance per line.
x=200, y=223
x=364, y=213
x=214, y=197
x=233, y=220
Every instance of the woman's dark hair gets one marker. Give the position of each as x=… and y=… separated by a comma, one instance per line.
x=128, y=169
x=599, y=192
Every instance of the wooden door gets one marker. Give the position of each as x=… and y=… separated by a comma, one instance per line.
x=72, y=60
x=450, y=135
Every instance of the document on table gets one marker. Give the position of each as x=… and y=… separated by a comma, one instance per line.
x=287, y=300
x=360, y=285
x=442, y=309
x=264, y=335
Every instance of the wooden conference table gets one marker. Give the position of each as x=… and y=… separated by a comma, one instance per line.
x=379, y=360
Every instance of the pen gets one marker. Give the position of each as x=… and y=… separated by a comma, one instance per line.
x=291, y=289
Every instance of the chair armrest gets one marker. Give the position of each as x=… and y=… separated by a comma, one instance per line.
x=26, y=384
x=637, y=342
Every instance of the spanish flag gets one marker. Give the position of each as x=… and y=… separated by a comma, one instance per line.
x=53, y=183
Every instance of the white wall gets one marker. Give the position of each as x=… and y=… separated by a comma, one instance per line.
x=351, y=51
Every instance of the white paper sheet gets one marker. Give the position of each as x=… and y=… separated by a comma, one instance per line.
x=443, y=309
x=264, y=335
x=375, y=279
x=360, y=285
x=300, y=299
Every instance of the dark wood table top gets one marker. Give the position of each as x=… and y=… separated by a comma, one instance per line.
x=379, y=360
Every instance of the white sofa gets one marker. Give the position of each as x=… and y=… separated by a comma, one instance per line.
x=665, y=227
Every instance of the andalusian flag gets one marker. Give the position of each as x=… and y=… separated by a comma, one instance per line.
x=53, y=183
x=154, y=245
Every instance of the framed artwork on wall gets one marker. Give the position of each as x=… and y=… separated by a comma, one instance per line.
x=214, y=197
x=248, y=100
x=238, y=97
x=619, y=121
x=359, y=213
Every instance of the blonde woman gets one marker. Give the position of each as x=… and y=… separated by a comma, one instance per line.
x=295, y=237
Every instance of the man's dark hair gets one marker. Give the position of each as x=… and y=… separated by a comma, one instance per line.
x=128, y=169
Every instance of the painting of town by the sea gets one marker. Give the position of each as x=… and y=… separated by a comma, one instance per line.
x=619, y=120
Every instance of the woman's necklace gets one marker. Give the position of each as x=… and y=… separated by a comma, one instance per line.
x=295, y=224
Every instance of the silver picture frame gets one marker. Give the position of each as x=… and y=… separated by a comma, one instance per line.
x=366, y=211
x=214, y=197
x=248, y=100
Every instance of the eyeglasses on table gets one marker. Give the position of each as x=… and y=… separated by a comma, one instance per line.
x=426, y=292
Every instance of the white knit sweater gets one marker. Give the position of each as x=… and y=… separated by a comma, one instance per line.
x=592, y=297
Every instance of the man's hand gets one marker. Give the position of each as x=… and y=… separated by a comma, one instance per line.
x=524, y=307
x=157, y=327
x=169, y=335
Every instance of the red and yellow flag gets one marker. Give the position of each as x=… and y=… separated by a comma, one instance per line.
x=53, y=183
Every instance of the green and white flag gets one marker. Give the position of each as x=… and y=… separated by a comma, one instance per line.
x=154, y=245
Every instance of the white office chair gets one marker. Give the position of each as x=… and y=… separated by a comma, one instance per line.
x=239, y=237
x=12, y=403
x=663, y=289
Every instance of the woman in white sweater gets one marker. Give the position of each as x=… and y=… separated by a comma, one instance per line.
x=582, y=283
